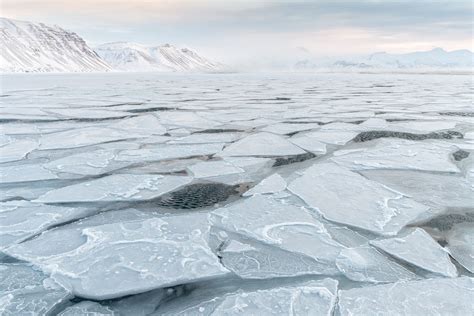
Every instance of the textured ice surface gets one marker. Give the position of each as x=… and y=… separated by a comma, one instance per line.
x=418, y=248
x=461, y=244
x=17, y=150
x=25, y=291
x=366, y=264
x=20, y=220
x=118, y=187
x=425, y=297
x=260, y=235
x=114, y=260
x=263, y=144
x=273, y=184
x=87, y=308
x=309, y=298
x=400, y=154
x=333, y=190
x=101, y=173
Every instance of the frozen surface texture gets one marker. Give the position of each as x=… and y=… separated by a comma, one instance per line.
x=234, y=194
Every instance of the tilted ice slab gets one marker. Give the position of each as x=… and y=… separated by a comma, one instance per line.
x=89, y=163
x=260, y=236
x=263, y=144
x=25, y=291
x=400, y=154
x=346, y=197
x=85, y=113
x=17, y=150
x=145, y=125
x=186, y=119
x=310, y=144
x=167, y=152
x=418, y=248
x=285, y=128
x=461, y=244
x=273, y=184
x=84, y=137
x=119, y=259
x=208, y=169
x=366, y=264
x=87, y=308
x=25, y=173
x=425, y=297
x=429, y=188
x=309, y=298
x=20, y=220
x=116, y=187
x=204, y=138
x=330, y=137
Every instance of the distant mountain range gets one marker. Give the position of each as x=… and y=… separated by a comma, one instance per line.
x=434, y=59
x=37, y=47
x=135, y=57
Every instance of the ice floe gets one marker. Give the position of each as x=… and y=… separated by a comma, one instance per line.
x=114, y=260
x=424, y=297
x=418, y=248
x=348, y=198
x=116, y=187
x=461, y=244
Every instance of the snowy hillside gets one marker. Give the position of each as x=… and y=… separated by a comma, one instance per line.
x=135, y=57
x=434, y=59
x=36, y=47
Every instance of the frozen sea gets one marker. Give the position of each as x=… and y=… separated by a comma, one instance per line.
x=237, y=194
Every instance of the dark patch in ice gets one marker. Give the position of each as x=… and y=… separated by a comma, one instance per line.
x=282, y=161
x=460, y=155
x=217, y=131
x=469, y=114
x=155, y=109
x=371, y=135
x=200, y=195
x=357, y=122
x=447, y=221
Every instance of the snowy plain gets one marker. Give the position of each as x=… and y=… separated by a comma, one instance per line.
x=236, y=194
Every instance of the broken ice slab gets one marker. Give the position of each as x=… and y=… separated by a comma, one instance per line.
x=84, y=137
x=85, y=113
x=116, y=187
x=89, y=163
x=284, y=231
x=137, y=305
x=418, y=248
x=264, y=145
x=114, y=260
x=25, y=291
x=330, y=137
x=273, y=184
x=87, y=308
x=203, y=138
x=309, y=143
x=348, y=198
x=17, y=149
x=366, y=264
x=167, y=152
x=461, y=244
x=285, y=128
x=400, y=154
x=145, y=125
x=309, y=298
x=186, y=119
x=20, y=220
x=206, y=169
x=425, y=297
x=25, y=173
x=428, y=188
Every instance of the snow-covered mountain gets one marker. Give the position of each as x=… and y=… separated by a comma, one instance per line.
x=36, y=47
x=125, y=56
x=434, y=59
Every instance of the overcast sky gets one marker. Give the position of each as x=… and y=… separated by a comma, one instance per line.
x=244, y=30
